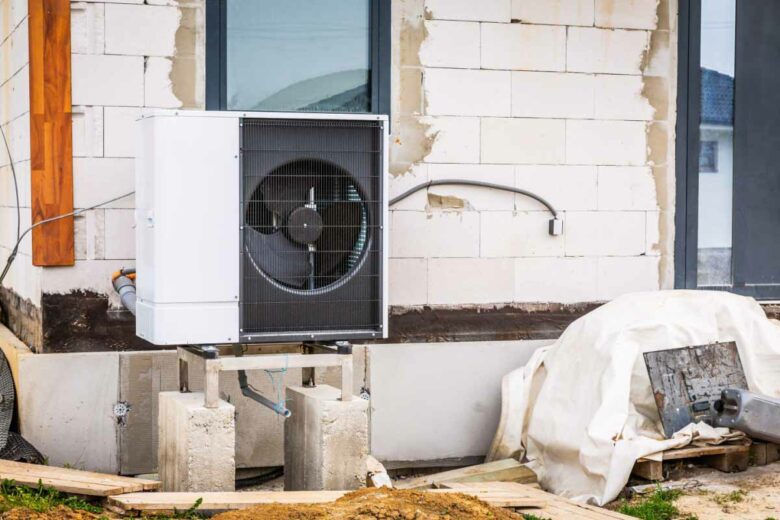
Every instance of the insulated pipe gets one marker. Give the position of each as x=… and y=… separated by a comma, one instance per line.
x=124, y=283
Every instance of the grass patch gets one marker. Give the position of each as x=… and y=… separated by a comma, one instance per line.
x=40, y=499
x=735, y=497
x=533, y=517
x=657, y=506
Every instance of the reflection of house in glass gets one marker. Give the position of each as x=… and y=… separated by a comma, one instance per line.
x=715, y=177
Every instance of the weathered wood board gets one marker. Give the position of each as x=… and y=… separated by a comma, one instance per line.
x=507, y=470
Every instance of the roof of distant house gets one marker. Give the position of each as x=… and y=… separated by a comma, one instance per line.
x=717, y=98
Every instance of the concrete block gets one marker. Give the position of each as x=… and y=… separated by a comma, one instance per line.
x=627, y=14
x=66, y=408
x=559, y=280
x=621, y=97
x=453, y=92
x=325, y=440
x=17, y=93
x=17, y=132
x=84, y=275
x=553, y=95
x=451, y=44
x=120, y=131
x=507, y=234
x=120, y=234
x=463, y=379
x=408, y=281
x=197, y=445
x=14, y=50
x=87, y=131
x=482, y=11
x=141, y=30
x=158, y=87
x=97, y=180
x=553, y=12
x=87, y=28
x=416, y=175
x=626, y=188
x=545, y=180
x=479, y=199
x=606, y=143
x=90, y=235
x=440, y=234
x=455, y=139
x=523, y=47
x=459, y=281
x=618, y=276
x=605, y=233
x=610, y=51
x=523, y=141
x=108, y=80
x=653, y=233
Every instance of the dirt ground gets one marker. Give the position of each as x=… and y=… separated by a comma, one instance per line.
x=370, y=504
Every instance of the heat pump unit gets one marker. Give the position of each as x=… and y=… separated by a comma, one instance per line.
x=258, y=227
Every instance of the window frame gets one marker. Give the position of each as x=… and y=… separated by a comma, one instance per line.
x=216, y=55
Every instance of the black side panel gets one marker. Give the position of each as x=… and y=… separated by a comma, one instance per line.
x=757, y=147
x=296, y=289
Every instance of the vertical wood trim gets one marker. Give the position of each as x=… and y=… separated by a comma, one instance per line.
x=51, y=138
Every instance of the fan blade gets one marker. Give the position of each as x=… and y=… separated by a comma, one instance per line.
x=340, y=231
x=278, y=257
x=282, y=193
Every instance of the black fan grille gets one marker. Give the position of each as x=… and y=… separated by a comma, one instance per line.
x=311, y=259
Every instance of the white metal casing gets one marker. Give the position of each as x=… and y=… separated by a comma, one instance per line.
x=188, y=213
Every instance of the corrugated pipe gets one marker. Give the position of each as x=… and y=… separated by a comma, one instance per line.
x=124, y=283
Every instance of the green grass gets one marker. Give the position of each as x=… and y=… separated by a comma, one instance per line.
x=658, y=506
x=734, y=497
x=40, y=499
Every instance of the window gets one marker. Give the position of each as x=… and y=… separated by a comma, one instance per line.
x=708, y=157
x=298, y=55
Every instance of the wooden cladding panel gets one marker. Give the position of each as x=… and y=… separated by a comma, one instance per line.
x=51, y=138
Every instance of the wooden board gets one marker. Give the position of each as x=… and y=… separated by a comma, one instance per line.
x=725, y=457
x=507, y=470
x=73, y=481
x=51, y=137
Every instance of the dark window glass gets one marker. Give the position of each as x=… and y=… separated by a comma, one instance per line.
x=299, y=55
x=708, y=157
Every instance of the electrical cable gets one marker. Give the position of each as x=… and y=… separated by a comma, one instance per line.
x=75, y=213
x=16, y=189
x=479, y=184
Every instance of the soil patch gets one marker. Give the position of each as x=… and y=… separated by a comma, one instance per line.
x=381, y=503
x=58, y=513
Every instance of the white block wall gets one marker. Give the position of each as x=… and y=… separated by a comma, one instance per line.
x=545, y=95
x=23, y=278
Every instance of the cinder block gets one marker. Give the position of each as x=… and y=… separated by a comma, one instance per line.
x=507, y=234
x=459, y=281
x=108, y=80
x=610, y=51
x=17, y=93
x=581, y=191
x=90, y=235
x=87, y=131
x=408, y=281
x=653, y=233
x=559, y=280
x=416, y=175
x=441, y=234
x=84, y=275
x=453, y=92
x=618, y=276
x=455, y=139
x=120, y=131
x=627, y=14
x=605, y=233
x=553, y=95
x=325, y=440
x=17, y=132
x=481, y=11
x=158, y=87
x=14, y=49
x=451, y=44
x=523, y=47
x=626, y=188
x=610, y=143
x=98, y=180
x=120, y=234
x=622, y=97
x=141, y=30
x=87, y=28
x=553, y=12
x=523, y=141
x=480, y=199
x=197, y=445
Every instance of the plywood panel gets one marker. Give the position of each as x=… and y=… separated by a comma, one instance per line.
x=51, y=139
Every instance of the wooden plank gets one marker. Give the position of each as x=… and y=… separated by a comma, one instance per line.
x=703, y=451
x=501, y=470
x=649, y=470
x=724, y=457
x=51, y=138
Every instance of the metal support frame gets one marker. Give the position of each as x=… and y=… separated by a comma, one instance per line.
x=214, y=360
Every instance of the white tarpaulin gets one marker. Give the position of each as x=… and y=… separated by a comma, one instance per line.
x=582, y=410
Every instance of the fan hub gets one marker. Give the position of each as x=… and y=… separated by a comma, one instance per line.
x=304, y=225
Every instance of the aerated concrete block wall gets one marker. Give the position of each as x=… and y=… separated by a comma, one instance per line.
x=571, y=99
